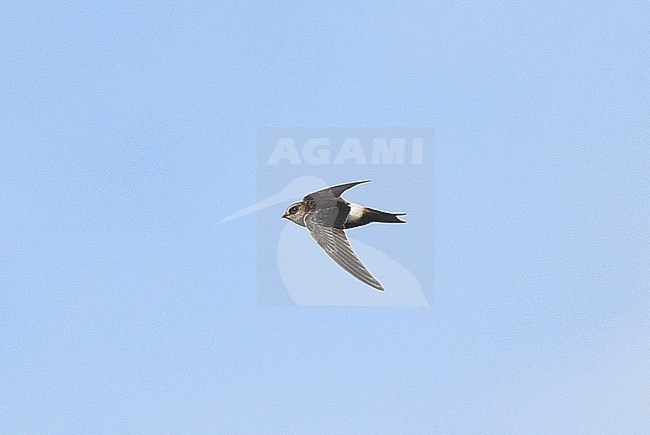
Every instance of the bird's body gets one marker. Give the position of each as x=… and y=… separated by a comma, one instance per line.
x=326, y=215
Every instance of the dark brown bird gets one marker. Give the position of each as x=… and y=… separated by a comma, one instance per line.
x=326, y=215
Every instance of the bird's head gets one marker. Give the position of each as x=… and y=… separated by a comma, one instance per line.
x=296, y=213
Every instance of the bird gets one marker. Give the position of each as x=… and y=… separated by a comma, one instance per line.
x=326, y=215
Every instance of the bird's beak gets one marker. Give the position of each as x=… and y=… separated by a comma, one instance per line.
x=284, y=216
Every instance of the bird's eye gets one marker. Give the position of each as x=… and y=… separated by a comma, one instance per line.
x=293, y=210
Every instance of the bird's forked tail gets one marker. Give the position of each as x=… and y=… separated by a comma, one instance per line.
x=384, y=216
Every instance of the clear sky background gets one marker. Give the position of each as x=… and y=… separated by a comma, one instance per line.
x=129, y=130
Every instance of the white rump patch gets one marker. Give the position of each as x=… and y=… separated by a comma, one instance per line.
x=356, y=212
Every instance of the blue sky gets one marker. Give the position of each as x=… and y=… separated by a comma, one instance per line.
x=129, y=130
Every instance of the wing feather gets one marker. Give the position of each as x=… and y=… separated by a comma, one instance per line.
x=332, y=192
x=336, y=245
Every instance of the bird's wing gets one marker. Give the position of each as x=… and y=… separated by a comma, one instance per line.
x=331, y=210
x=332, y=192
x=337, y=246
